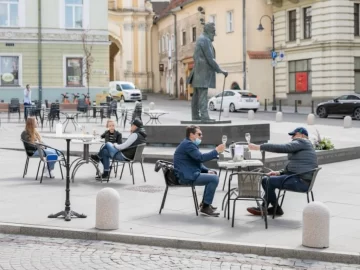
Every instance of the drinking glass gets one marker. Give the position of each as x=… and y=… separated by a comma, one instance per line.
x=247, y=137
x=224, y=139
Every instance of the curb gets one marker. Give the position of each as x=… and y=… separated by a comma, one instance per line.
x=182, y=243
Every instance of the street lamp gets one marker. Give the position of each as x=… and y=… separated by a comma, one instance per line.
x=260, y=29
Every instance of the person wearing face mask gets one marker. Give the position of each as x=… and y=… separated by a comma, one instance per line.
x=302, y=160
x=190, y=170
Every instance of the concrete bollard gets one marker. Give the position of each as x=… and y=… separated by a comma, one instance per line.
x=347, y=122
x=279, y=117
x=251, y=115
x=316, y=225
x=311, y=119
x=152, y=105
x=107, y=209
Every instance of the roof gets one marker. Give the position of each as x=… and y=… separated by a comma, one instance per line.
x=259, y=54
x=173, y=4
x=158, y=7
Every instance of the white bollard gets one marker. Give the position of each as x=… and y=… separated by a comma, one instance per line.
x=316, y=225
x=311, y=119
x=152, y=105
x=347, y=122
x=279, y=116
x=251, y=115
x=107, y=209
x=226, y=112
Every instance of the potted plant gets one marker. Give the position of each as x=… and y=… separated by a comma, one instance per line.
x=322, y=143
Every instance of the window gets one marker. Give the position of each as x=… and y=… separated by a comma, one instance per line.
x=353, y=97
x=307, y=22
x=167, y=42
x=357, y=75
x=212, y=19
x=159, y=45
x=9, y=70
x=230, y=21
x=163, y=43
x=292, y=25
x=73, y=13
x=74, y=71
x=356, y=19
x=9, y=13
x=300, y=76
x=193, y=34
x=235, y=86
x=173, y=42
x=183, y=38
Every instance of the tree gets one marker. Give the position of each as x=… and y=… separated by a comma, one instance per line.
x=87, y=43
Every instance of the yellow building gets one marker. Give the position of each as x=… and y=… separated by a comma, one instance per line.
x=227, y=16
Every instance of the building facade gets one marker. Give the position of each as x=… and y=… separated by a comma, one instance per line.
x=61, y=26
x=227, y=15
x=321, y=42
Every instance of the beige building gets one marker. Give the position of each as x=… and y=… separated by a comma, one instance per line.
x=321, y=41
x=228, y=45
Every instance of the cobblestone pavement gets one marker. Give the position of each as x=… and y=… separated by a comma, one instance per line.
x=25, y=252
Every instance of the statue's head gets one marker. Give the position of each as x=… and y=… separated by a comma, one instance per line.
x=210, y=31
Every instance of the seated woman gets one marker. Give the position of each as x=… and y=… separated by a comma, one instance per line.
x=31, y=135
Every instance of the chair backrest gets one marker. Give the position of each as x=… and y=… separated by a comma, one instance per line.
x=314, y=178
x=14, y=101
x=168, y=171
x=28, y=148
x=46, y=103
x=249, y=184
x=139, y=151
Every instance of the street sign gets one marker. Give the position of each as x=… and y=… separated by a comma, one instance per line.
x=274, y=54
x=281, y=55
x=273, y=63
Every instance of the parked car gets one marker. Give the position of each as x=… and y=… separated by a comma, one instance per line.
x=235, y=100
x=126, y=91
x=343, y=105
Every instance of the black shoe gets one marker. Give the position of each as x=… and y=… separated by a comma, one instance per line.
x=212, y=207
x=104, y=176
x=95, y=158
x=279, y=211
x=207, y=211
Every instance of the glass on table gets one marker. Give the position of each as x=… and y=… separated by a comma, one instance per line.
x=247, y=137
x=224, y=139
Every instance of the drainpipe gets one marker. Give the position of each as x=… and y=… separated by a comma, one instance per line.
x=244, y=44
x=39, y=51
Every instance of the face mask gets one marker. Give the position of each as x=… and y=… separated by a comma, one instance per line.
x=197, y=141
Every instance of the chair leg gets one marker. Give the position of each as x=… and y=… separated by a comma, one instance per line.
x=219, y=172
x=62, y=175
x=122, y=170
x=282, y=199
x=142, y=167
x=265, y=214
x=277, y=202
x=42, y=174
x=26, y=166
x=307, y=195
x=163, y=200
x=225, y=179
x=195, y=200
x=38, y=170
x=312, y=196
x=116, y=169
x=132, y=172
x=233, y=216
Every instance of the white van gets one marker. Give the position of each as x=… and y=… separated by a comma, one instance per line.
x=126, y=91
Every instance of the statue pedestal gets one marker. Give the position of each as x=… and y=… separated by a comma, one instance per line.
x=205, y=122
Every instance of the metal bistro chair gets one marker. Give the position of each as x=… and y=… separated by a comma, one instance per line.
x=42, y=156
x=249, y=189
x=54, y=113
x=14, y=107
x=172, y=181
x=138, y=158
x=315, y=172
x=113, y=110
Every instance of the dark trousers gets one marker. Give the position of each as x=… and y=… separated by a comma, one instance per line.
x=293, y=183
x=199, y=108
x=26, y=111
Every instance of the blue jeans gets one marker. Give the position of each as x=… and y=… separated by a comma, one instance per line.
x=26, y=111
x=292, y=183
x=108, y=151
x=210, y=181
x=50, y=154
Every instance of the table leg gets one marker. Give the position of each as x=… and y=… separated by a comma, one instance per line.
x=67, y=213
x=67, y=122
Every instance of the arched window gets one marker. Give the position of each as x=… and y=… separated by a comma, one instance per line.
x=235, y=86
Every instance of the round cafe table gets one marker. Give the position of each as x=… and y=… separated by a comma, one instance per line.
x=67, y=213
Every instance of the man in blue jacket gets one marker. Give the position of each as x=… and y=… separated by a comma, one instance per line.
x=298, y=172
x=189, y=168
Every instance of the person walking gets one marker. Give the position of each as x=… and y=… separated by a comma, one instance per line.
x=27, y=100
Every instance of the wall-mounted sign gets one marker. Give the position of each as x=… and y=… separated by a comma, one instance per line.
x=161, y=67
x=7, y=77
x=301, y=81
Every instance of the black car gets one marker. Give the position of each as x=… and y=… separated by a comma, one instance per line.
x=344, y=105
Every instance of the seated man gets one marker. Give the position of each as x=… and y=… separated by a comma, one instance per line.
x=190, y=170
x=124, y=151
x=302, y=159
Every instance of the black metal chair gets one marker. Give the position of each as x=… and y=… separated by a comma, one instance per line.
x=82, y=106
x=113, y=110
x=42, y=157
x=172, y=181
x=54, y=113
x=14, y=107
x=312, y=182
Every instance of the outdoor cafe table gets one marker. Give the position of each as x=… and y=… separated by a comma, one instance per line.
x=154, y=116
x=239, y=165
x=68, y=213
x=85, y=159
x=70, y=116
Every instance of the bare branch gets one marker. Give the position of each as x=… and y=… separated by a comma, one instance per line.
x=88, y=58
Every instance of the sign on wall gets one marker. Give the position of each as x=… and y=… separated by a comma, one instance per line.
x=301, y=81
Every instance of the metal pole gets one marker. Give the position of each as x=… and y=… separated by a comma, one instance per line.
x=39, y=51
x=222, y=98
x=273, y=48
x=176, y=57
x=265, y=107
x=280, y=109
x=312, y=106
x=244, y=44
x=296, y=103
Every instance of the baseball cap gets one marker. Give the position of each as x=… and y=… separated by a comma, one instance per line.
x=137, y=122
x=300, y=130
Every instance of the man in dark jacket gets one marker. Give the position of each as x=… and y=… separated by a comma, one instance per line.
x=124, y=151
x=189, y=167
x=298, y=172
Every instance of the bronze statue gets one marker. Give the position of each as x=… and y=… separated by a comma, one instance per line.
x=203, y=76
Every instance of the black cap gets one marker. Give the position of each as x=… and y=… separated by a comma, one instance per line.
x=300, y=130
x=137, y=122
